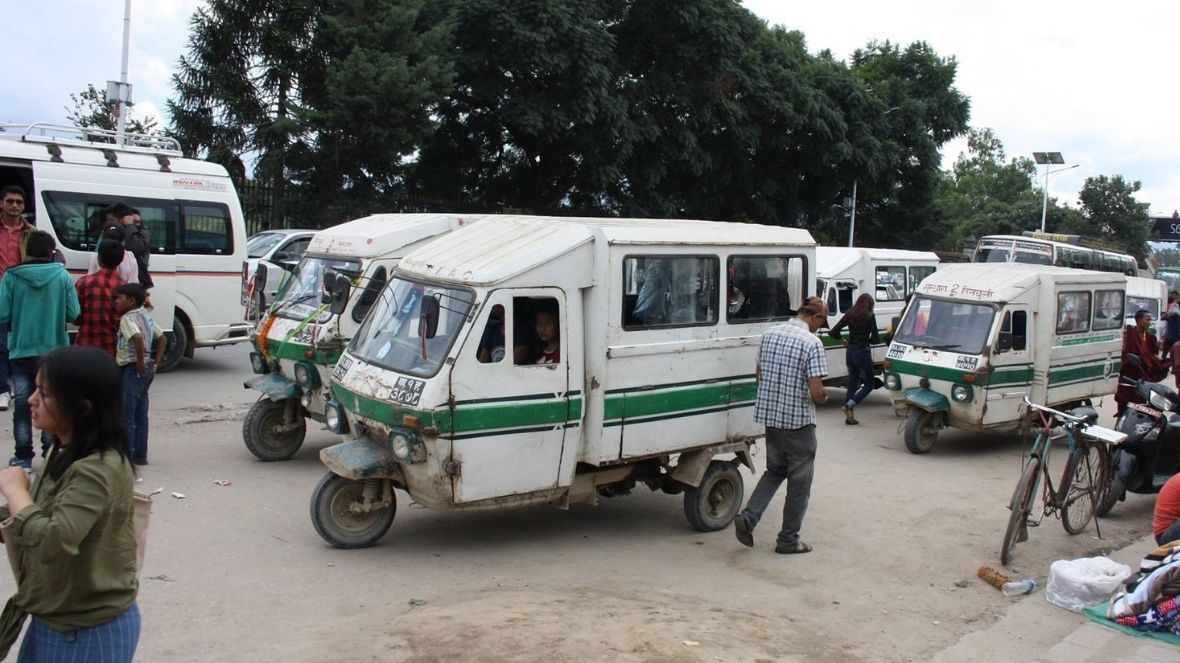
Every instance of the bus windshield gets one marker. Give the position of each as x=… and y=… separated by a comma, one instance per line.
x=943, y=325
x=393, y=336
x=300, y=295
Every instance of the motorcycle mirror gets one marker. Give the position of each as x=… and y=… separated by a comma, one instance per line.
x=1135, y=360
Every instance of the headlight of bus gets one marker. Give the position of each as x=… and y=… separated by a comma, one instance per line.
x=962, y=393
x=334, y=418
x=306, y=375
x=892, y=381
x=258, y=363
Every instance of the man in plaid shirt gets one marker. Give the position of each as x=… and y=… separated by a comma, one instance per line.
x=99, y=323
x=791, y=368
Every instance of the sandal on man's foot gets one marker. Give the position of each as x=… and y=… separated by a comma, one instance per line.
x=851, y=421
x=797, y=548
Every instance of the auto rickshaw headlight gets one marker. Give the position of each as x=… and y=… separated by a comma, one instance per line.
x=406, y=446
x=306, y=375
x=334, y=418
x=258, y=363
x=892, y=381
x=962, y=393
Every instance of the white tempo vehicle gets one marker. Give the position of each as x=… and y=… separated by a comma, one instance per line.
x=189, y=207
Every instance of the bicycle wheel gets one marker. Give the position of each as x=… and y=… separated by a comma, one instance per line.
x=1021, y=506
x=1083, y=484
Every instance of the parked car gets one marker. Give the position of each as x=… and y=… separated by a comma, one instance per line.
x=282, y=249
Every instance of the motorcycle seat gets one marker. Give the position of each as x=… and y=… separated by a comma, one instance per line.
x=1089, y=414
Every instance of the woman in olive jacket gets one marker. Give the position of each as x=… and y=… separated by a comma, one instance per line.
x=78, y=577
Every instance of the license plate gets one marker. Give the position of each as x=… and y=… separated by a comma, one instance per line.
x=1144, y=409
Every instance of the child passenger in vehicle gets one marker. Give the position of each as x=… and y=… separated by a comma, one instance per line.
x=549, y=332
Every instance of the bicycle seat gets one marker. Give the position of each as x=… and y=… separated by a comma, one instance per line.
x=1089, y=414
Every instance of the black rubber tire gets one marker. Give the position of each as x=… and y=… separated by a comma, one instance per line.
x=920, y=430
x=1021, y=507
x=338, y=526
x=1115, y=489
x=1078, y=508
x=259, y=435
x=713, y=505
x=178, y=340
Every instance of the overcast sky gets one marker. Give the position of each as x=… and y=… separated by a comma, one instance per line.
x=1091, y=80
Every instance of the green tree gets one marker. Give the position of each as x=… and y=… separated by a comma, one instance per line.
x=532, y=120
x=925, y=111
x=1111, y=213
x=239, y=87
x=90, y=108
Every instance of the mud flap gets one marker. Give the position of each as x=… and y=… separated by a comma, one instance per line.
x=360, y=459
x=274, y=386
x=690, y=467
x=925, y=399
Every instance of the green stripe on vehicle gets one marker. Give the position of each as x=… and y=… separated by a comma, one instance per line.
x=298, y=352
x=1083, y=372
x=1089, y=339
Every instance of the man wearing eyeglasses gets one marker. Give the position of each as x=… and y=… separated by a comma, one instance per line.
x=14, y=237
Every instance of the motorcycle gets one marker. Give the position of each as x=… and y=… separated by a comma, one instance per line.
x=1149, y=456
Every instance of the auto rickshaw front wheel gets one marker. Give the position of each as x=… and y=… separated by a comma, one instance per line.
x=350, y=513
x=921, y=430
x=274, y=430
x=713, y=504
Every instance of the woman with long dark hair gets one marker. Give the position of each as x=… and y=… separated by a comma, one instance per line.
x=862, y=335
x=77, y=577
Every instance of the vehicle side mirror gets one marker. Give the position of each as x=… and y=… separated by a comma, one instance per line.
x=428, y=317
x=260, y=276
x=280, y=256
x=337, y=288
x=1005, y=342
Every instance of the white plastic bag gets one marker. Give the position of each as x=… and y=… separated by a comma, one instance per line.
x=1076, y=584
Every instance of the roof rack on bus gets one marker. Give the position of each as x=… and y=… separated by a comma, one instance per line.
x=94, y=137
x=1077, y=240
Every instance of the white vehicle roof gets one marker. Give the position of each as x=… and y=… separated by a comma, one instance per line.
x=1141, y=287
x=284, y=231
x=1004, y=282
x=382, y=234
x=38, y=142
x=832, y=260
x=504, y=246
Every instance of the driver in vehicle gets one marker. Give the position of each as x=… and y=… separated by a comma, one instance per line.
x=1139, y=341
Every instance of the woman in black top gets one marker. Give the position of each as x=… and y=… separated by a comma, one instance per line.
x=862, y=335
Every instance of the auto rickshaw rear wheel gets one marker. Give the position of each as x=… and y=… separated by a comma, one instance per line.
x=343, y=516
x=713, y=504
x=921, y=430
x=274, y=430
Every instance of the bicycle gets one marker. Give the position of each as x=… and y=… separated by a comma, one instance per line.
x=1082, y=481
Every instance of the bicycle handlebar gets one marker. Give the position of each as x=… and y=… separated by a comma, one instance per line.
x=1050, y=410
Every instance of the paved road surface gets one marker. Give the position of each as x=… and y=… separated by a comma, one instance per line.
x=236, y=573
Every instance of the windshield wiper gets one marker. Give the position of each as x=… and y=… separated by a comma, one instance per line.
x=942, y=346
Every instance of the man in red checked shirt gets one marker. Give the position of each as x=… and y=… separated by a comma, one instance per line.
x=14, y=234
x=99, y=323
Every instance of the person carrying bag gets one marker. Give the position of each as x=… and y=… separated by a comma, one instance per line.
x=78, y=558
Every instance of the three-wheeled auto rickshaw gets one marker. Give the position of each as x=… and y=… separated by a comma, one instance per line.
x=978, y=338
x=299, y=339
x=532, y=360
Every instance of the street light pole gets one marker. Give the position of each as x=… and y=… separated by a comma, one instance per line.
x=852, y=223
x=124, y=97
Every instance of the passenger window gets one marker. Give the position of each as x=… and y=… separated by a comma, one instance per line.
x=491, y=342
x=296, y=248
x=372, y=289
x=846, y=293
x=205, y=229
x=832, y=301
x=77, y=218
x=1108, y=309
x=891, y=285
x=669, y=291
x=763, y=287
x=916, y=276
x=1019, y=330
x=1073, y=312
x=536, y=331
